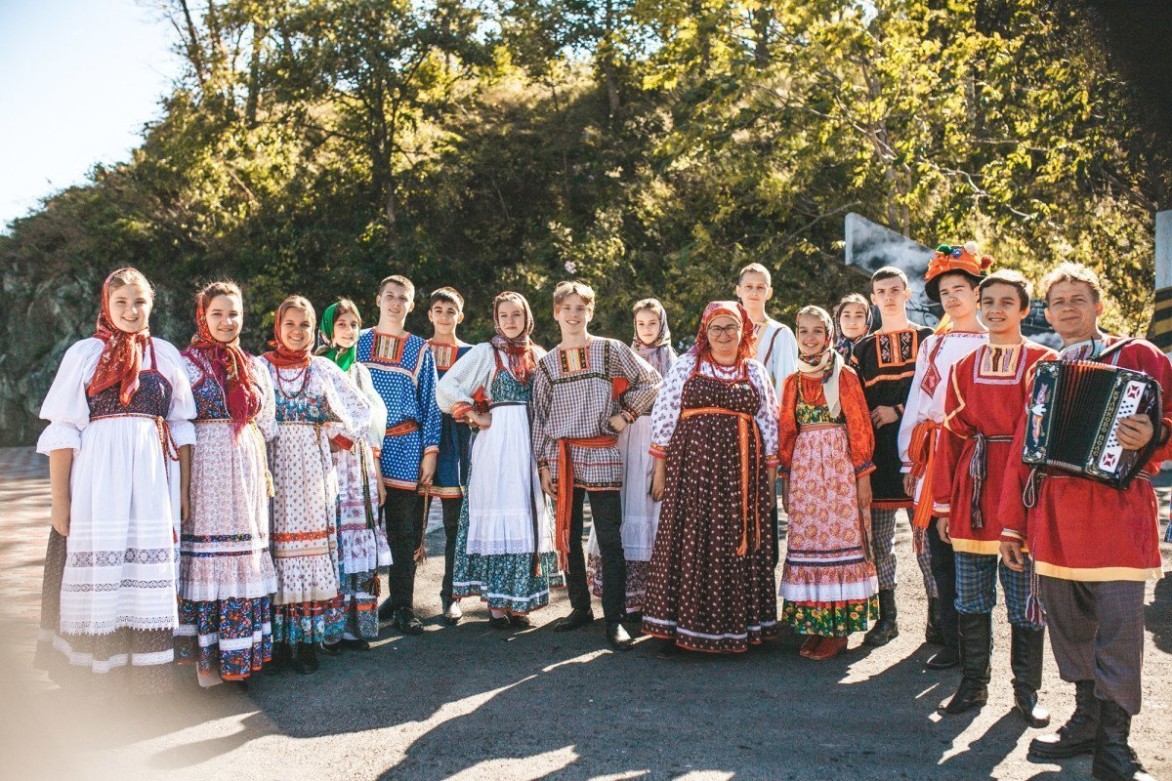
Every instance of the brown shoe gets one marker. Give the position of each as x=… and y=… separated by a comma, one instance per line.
x=829, y=648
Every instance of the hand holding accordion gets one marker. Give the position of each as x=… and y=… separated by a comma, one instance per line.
x=1074, y=417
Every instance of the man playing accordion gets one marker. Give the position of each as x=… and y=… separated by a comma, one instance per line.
x=1093, y=546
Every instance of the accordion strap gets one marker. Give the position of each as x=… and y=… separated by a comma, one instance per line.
x=1114, y=348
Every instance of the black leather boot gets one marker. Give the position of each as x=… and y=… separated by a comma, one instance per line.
x=885, y=629
x=576, y=618
x=1077, y=736
x=1025, y=659
x=281, y=656
x=976, y=651
x=1114, y=759
x=932, y=632
x=305, y=661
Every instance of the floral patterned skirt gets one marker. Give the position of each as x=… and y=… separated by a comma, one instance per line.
x=637, y=572
x=228, y=639
x=828, y=585
x=505, y=581
x=308, y=622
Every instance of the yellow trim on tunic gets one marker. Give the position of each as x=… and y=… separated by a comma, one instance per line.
x=1097, y=574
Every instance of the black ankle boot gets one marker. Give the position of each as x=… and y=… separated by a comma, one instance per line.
x=885, y=629
x=305, y=662
x=1025, y=659
x=932, y=633
x=976, y=651
x=281, y=656
x=1115, y=760
x=1077, y=736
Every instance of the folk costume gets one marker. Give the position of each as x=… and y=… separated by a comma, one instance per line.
x=923, y=416
x=316, y=406
x=640, y=511
x=986, y=393
x=226, y=573
x=504, y=544
x=452, y=465
x=403, y=371
x=777, y=351
x=363, y=550
x=1093, y=547
x=825, y=445
x=711, y=585
x=575, y=392
x=122, y=403
x=885, y=362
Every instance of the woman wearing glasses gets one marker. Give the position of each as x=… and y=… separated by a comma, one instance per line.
x=714, y=438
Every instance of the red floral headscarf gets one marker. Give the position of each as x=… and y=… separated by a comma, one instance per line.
x=283, y=356
x=733, y=309
x=519, y=349
x=232, y=368
x=121, y=358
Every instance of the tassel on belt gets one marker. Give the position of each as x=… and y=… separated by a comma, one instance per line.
x=747, y=435
x=923, y=454
x=565, y=487
x=978, y=469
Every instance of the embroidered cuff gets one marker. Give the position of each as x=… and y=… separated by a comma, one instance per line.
x=941, y=509
x=460, y=410
x=771, y=459
x=427, y=451
x=905, y=468
x=345, y=443
x=630, y=413
x=657, y=451
x=1009, y=535
x=864, y=468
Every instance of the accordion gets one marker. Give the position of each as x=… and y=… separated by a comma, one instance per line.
x=1074, y=411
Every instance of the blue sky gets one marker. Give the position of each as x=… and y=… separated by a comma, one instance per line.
x=78, y=80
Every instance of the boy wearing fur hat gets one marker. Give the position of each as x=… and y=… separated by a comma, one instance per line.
x=951, y=280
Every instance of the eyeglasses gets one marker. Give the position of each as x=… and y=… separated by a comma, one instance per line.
x=731, y=329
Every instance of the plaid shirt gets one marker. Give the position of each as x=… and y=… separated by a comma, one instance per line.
x=574, y=396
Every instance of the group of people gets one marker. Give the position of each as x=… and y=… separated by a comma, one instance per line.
x=235, y=512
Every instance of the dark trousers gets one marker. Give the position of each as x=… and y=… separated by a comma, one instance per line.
x=1097, y=633
x=451, y=508
x=607, y=510
x=944, y=573
x=403, y=516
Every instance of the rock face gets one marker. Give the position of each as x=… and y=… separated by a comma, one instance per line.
x=41, y=314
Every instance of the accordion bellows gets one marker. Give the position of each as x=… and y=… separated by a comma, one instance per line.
x=1074, y=412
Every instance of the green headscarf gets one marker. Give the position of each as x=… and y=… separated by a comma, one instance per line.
x=344, y=358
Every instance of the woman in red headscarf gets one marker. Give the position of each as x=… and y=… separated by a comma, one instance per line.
x=318, y=408
x=714, y=438
x=504, y=542
x=118, y=410
x=226, y=573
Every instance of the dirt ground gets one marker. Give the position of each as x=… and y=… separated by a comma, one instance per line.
x=470, y=702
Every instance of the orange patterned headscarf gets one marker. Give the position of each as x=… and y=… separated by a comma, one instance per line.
x=121, y=358
x=748, y=343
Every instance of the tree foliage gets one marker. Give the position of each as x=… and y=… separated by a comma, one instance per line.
x=649, y=147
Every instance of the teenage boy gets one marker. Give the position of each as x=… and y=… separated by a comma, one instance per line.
x=1093, y=546
x=776, y=346
x=586, y=391
x=951, y=281
x=885, y=361
x=983, y=402
x=403, y=371
x=446, y=312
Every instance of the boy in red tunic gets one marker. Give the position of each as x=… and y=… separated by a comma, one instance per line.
x=1093, y=547
x=985, y=396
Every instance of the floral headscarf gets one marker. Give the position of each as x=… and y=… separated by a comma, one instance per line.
x=121, y=358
